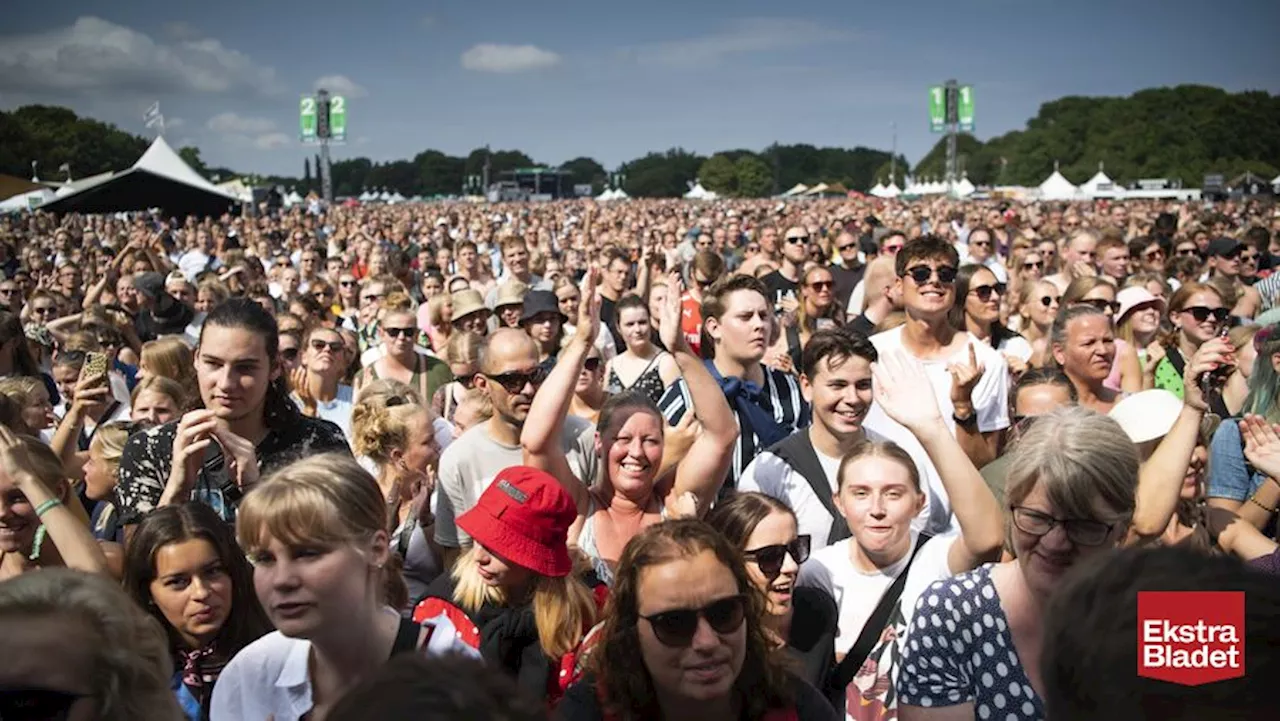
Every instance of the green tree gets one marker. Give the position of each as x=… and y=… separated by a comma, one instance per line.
x=719, y=174
x=191, y=156
x=754, y=177
x=662, y=175
x=583, y=171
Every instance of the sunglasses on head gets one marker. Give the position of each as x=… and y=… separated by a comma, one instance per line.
x=515, y=381
x=771, y=558
x=984, y=291
x=1101, y=304
x=677, y=627
x=922, y=273
x=334, y=346
x=1201, y=313
x=36, y=704
x=398, y=332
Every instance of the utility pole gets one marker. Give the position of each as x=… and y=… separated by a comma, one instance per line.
x=893, y=156
x=323, y=133
x=953, y=129
x=484, y=177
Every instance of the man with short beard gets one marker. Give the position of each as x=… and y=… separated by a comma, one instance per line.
x=802, y=470
x=767, y=402
x=509, y=376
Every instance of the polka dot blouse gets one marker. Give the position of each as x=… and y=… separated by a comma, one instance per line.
x=959, y=650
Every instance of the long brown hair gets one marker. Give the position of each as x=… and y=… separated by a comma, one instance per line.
x=627, y=688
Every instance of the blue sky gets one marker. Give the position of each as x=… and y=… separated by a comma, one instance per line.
x=564, y=79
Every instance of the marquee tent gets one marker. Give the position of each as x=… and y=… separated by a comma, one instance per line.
x=160, y=179
x=26, y=201
x=697, y=192
x=877, y=190
x=964, y=188
x=891, y=190
x=797, y=190
x=1056, y=187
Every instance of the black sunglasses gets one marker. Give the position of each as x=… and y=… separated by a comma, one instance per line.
x=591, y=365
x=1047, y=300
x=334, y=346
x=1033, y=264
x=922, y=273
x=346, y=283
x=847, y=247
x=397, y=332
x=1101, y=304
x=984, y=291
x=771, y=558
x=36, y=704
x=821, y=285
x=1081, y=531
x=515, y=381
x=289, y=354
x=1187, y=252
x=677, y=627
x=1201, y=313
x=797, y=239
x=1154, y=253
x=466, y=381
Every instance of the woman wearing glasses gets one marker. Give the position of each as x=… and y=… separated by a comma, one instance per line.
x=398, y=330
x=979, y=300
x=317, y=384
x=462, y=353
x=1038, y=307
x=801, y=620
x=881, y=499
x=1197, y=313
x=1071, y=492
x=817, y=309
x=685, y=607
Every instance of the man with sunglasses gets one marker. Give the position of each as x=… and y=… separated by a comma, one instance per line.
x=980, y=249
x=970, y=378
x=509, y=376
x=705, y=270
x=850, y=270
x=1224, y=266
x=784, y=282
x=801, y=470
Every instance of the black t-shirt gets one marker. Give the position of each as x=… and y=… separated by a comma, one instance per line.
x=609, y=319
x=845, y=281
x=780, y=287
x=812, y=641
x=862, y=324
x=581, y=703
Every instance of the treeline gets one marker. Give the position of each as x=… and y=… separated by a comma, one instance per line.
x=1181, y=132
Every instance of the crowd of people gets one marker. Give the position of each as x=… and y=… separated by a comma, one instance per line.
x=847, y=458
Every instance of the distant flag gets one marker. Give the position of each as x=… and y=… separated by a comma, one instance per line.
x=153, y=117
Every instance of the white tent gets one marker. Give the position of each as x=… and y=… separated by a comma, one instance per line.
x=964, y=188
x=1276, y=183
x=26, y=201
x=396, y=197
x=292, y=199
x=160, y=179
x=797, y=190
x=818, y=189
x=606, y=195
x=1056, y=187
x=384, y=196
x=238, y=188
x=877, y=190
x=1100, y=185
x=697, y=192
x=366, y=196
x=891, y=191
x=620, y=194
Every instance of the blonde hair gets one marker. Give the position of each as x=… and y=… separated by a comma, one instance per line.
x=131, y=665
x=20, y=389
x=109, y=440
x=384, y=389
x=165, y=386
x=378, y=428
x=435, y=310
x=170, y=357
x=320, y=500
x=1079, y=457
x=562, y=606
x=464, y=348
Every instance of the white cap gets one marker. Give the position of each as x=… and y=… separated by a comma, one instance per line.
x=1147, y=415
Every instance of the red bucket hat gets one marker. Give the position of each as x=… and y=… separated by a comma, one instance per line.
x=524, y=516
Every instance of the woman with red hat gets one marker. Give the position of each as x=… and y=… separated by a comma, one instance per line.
x=517, y=596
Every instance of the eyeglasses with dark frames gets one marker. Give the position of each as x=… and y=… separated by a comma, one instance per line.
x=1080, y=531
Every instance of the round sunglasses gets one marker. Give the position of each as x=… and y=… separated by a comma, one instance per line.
x=677, y=627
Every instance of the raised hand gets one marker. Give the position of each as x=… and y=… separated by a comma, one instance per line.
x=298, y=383
x=965, y=377
x=426, y=485
x=193, y=436
x=14, y=460
x=589, y=308
x=902, y=389
x=669, y=330
x=1211, y=355
x=1261, y=445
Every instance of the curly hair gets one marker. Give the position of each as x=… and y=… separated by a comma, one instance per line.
x=131, y=665
x=628, y=691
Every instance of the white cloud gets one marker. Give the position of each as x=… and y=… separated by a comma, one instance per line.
x=97, y=57
x=493, y=58
x=181, y=30
x=174, y=123
x=340, y=85
x=271, y=141
x=738, y=37
x=231, y=123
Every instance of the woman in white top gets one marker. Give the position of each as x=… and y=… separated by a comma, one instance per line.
x=880, y=497
x=979, y=297
x=316, y=534
x=317, y=384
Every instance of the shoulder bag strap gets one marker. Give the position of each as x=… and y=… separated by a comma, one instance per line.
x=797, y=451
x=874, y=627
x=406, y=638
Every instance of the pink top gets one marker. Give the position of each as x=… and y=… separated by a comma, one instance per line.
x=1113, y=378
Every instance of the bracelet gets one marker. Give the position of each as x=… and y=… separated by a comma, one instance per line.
x=1258, y=503
x=44, y=507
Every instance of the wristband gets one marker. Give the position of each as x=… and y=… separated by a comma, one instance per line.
x=1258, y=503
x=44, y=507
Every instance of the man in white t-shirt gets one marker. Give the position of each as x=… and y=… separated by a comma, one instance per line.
x=969, y=378
x=801, y=471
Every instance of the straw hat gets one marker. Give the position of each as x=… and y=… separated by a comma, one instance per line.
x=466, y=302
x=511, y=293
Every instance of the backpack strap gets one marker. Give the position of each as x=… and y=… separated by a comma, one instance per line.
x=797, y=451
x=406, y=638
x=874, y=627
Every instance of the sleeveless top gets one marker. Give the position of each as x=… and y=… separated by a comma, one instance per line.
x=587, y=540
x=649, y=382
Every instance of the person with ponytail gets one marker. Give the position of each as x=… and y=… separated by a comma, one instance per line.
x=248, y=426
x=518, y=595
x=402, y=441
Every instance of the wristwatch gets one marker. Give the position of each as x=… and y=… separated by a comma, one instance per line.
x=968, y=421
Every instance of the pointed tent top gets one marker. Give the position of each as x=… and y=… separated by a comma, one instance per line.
x=1055, y=166
x=1100, y=167
x=161, y=159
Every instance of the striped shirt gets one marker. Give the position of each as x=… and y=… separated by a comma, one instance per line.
x=780, y=397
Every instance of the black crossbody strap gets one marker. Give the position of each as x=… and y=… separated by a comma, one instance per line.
x=797, y=451
x=874, y=627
